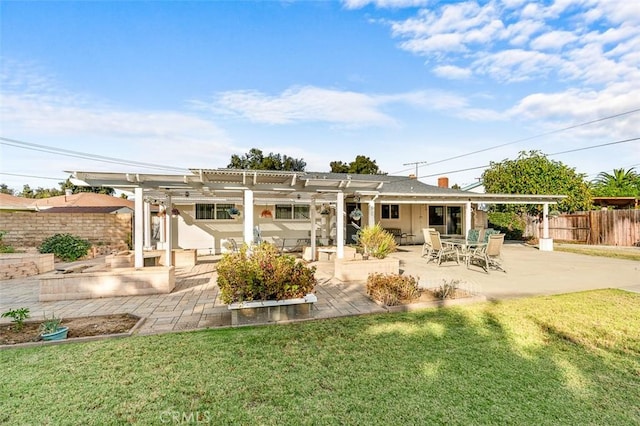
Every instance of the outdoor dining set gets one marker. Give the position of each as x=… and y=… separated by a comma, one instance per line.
x=482, y=247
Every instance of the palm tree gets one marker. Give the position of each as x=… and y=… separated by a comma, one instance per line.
x=618, y=184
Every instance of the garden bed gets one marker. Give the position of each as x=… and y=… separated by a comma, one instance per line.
x=429, y=299
x=81, y=328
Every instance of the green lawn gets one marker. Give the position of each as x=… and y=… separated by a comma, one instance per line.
x=571, y=359
x=603, y=252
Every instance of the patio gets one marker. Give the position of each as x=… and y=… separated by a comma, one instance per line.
x=195, y=304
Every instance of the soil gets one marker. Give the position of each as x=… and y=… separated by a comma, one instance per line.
x=430, y=296
x=78, y=327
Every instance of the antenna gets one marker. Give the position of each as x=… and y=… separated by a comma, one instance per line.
x=416, y=164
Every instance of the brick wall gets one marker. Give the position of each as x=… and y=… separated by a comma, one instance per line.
x=27, y=230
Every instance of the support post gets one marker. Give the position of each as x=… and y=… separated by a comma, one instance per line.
x=371, y=217
x=138, y=225
x=169, y=236
x=546, y=243
x=313, y=229
x=340, y=225
x=147, y=225
x=248, y=217
x=467, y=219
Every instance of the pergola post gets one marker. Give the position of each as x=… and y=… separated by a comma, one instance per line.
x=546, y=243
x=138, y=225
x=467, y=219
x=340, y=224
x=371, y=217
x=147, y=225
x=169, y=236
x=248, y=217
x=312, y=216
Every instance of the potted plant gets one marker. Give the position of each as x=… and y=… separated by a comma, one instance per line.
x=356, y=214
x=376, y=242
x=234, y=212
x=266, y=213
x=52, y=329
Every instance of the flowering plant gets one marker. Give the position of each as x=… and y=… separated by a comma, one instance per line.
x=266, y=213
x=233, y=212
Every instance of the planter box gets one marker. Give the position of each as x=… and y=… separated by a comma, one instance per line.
x=60, y=334
x=114, y=282
x=271, y=311
x=359, y=270
x=17, y=265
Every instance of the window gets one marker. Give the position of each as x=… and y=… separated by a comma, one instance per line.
x=213, y=211
x=436, y=215
x=292, y=211
x=390, y=211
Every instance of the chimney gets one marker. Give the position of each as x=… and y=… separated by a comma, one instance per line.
x=68, y=192
x=412, y=176
x=443, y=182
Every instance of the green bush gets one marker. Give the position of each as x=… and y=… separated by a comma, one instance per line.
x=391, y=289
x=511, y=224
x=263, y=274
x=65, y=246
x=4, y=248
x=375, y=241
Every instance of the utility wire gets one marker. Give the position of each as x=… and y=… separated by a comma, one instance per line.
x=30, y=176
x=574, y=126
x=556, y=153
x=83, y=155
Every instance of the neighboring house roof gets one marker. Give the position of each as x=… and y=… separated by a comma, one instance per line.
x=83, y=199
x=10, y=202
x=77, y=209
x=617, y=202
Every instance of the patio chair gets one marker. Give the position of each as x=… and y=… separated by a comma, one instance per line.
x=427, y=247
x=488, y=256
x=473, y=235
x=487, y=233
x=443, y=251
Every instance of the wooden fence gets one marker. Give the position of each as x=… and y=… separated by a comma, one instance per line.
x=603, y=227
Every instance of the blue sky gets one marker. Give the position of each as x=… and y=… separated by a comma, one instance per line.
x=188, y=84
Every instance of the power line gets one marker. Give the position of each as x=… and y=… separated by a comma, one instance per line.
x=556, y=153
x=574, y=126
x=77, y=154
x=30, y=176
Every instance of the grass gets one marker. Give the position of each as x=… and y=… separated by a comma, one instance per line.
x=569, y=359
x=608, y=252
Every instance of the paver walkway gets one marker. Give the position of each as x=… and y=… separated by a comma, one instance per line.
x=195, y=304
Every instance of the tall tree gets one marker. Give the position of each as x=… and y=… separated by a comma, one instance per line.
x=106, y=190
x=620, y=183
x=361, y=165
x=533, y=173
x=256, y=160
x=4, y=189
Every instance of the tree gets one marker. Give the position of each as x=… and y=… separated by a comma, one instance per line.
x=106, y=190
x=533, y=173
x=361, y=165
x=255, y=160
x=4, y=189
x=621, y=183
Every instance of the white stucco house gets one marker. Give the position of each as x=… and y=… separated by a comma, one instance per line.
x=289, y=206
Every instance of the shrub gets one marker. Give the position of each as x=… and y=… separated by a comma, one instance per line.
x=447, y=290
x=391, y=289
x=511, y=224
x=4, y=248
x=263, y=274
x=18, y=316
x=65, y=246
x=376, y=242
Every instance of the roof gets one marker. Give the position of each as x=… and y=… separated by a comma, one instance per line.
x=83, y=199
x=99, y=209
x=229, y=185
x=11, y=202
x=620, y=202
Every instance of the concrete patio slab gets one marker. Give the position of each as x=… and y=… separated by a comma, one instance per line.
x=195, y=302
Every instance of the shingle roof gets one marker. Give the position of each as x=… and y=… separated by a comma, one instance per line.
x=84, y=199
x=76, y=209
x=392, y=184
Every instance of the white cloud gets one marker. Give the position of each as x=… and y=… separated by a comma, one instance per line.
x=315, y=104
x=553, y=40
x=384, y=4
x=516, y=65
x=452, y=72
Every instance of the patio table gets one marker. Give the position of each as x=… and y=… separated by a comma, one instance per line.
x=465, y=246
